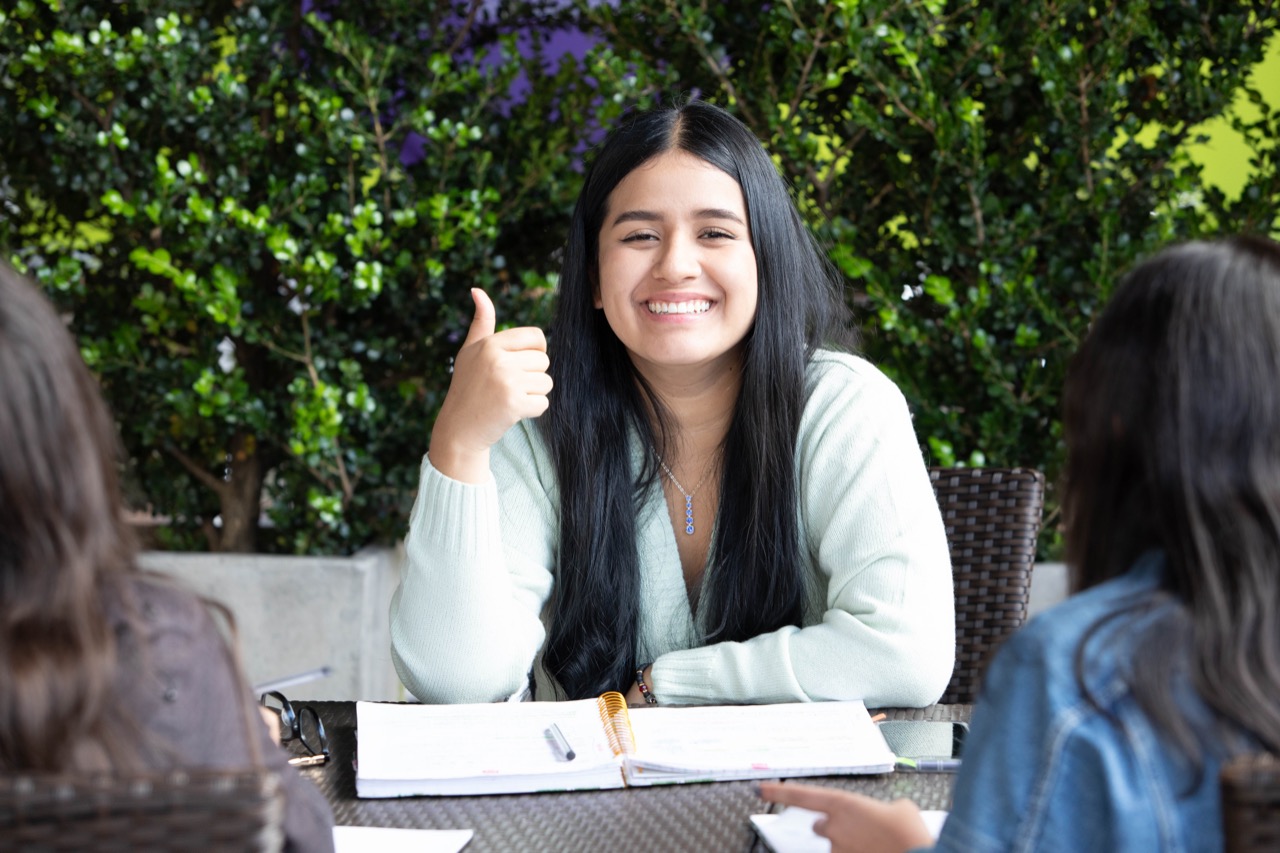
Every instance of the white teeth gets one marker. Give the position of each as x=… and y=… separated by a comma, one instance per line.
x=697, y=306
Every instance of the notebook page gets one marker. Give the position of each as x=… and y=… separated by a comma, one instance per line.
x=753, y=741
x=419, y=743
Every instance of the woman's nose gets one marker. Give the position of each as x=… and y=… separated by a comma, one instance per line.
x=678, y=260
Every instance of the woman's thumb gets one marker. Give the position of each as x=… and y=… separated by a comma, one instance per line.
x=482, y=325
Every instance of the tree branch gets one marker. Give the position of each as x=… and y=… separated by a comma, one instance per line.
x=197, y=470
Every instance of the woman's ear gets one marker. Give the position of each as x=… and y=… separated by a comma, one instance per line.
x=595, y=287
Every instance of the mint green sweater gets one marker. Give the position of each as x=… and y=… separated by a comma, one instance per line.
x=467, y=621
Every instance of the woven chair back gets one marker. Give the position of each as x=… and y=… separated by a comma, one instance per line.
x=156, y=813
x=1250, y=787
x=992, y=516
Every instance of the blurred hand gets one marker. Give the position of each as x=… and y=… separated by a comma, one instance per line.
x=272, y=719
x=498, y=378
x=854, y=823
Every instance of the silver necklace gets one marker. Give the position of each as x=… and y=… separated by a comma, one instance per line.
x=688, y=496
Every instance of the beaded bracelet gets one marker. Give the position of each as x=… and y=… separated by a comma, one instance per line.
x=649, y=698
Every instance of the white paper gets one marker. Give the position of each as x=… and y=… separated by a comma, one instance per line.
x=359, y=839
x=791, y=830
x=934, y=820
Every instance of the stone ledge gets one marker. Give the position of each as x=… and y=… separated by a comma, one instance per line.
x=295, y=614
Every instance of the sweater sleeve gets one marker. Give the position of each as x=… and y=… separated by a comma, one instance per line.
x=882, y=626
x=465, y=623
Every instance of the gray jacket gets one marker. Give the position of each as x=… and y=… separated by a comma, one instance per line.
x=179, y=680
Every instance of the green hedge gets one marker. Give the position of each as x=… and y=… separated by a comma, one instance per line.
x=270, y=292
x=263, y=224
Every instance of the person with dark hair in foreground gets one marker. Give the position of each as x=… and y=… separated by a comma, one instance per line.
x=717, y=503
x=103, y=668
x=1103, y=723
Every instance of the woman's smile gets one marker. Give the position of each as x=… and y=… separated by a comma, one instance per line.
x=695, y=306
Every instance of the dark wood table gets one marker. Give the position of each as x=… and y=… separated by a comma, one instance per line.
x=699, y=817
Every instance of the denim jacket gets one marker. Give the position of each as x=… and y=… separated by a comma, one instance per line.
x=1046, y=770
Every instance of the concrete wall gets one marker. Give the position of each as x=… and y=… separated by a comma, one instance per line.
x=295, y=614
x=1048, y=586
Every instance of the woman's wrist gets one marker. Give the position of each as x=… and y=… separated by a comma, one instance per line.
x=642, y=684
x=461, y=464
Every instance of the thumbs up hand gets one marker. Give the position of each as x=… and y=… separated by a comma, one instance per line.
x=498, y=379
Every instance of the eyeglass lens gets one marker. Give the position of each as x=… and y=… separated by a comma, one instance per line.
x=311, y=731
x=275, y=701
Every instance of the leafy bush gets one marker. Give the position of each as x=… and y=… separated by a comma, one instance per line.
x=981, y=171
x=265, y=224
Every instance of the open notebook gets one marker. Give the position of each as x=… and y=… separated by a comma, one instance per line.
x=406, y=750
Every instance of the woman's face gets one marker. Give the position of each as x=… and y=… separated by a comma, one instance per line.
x=677, y=272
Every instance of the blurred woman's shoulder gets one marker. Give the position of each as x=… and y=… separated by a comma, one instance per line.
x=174, y=656
x=1095, y=633
x=149, y=603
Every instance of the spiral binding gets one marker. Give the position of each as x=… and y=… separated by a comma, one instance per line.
x=617, y=723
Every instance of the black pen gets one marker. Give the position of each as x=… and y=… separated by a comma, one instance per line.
x=558, y=738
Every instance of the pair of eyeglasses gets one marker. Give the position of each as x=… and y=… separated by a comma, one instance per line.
x=301, y=724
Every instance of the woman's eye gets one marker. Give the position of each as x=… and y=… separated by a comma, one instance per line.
x=634, y=238
x=717, y=233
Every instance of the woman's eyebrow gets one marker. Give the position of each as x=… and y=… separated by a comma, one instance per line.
x=636, y=216
x=718, y=213
x=651, y=216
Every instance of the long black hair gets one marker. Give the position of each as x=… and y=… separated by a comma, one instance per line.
x=754, y=582
x=1172, y=420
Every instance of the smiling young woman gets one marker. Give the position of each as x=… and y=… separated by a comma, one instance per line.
x=717, y=503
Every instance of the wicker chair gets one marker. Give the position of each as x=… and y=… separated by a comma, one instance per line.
x=175, y=811
x=1251, y=804
x=992, y=516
